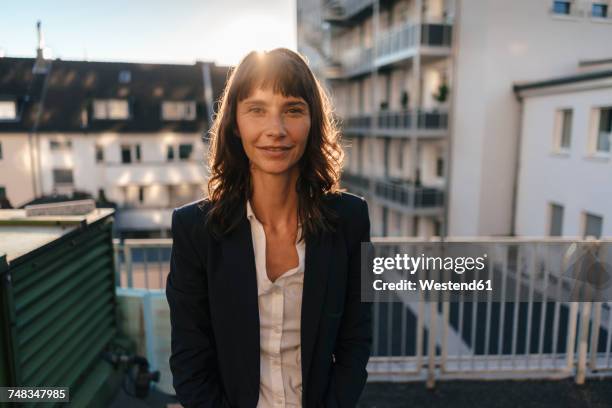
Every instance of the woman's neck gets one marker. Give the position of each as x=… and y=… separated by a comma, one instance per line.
x=274, y=200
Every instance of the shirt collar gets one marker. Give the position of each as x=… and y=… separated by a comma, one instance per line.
x=249, y=210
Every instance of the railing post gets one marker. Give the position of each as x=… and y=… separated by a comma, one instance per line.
x=431, y=343
x=583, y=342
x=128, y=264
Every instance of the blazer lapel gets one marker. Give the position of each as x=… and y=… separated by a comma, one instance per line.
x=316, y=273
x=240, y=277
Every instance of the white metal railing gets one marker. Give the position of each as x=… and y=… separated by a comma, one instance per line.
x=409, y=119
x=142, y=263
x=430, y=341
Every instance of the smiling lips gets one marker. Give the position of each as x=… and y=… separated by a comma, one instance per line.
x=275, y=148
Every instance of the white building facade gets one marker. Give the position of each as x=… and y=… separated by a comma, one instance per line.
x=565, y=168
x=424, y=88
x=131, y=134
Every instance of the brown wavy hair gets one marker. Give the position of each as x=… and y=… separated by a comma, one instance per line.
x=229, y=186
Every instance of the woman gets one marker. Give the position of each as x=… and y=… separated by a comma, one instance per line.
x=264, y=283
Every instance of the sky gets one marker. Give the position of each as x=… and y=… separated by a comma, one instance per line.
x=171, y=31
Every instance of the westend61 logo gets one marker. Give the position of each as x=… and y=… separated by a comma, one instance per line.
x=524, y=271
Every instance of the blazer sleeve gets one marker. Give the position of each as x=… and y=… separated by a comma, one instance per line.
x=354, y=342
x=193, y=358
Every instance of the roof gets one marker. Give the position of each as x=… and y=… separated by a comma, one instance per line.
x=583, y=77
x=73, y=85
x=21, y=234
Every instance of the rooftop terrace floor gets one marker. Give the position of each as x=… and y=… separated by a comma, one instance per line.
x=565, y=393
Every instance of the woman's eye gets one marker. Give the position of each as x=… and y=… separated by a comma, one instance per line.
x=256, y=110
x=295, y=111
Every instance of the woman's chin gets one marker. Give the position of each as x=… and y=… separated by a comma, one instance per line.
x=274, y=168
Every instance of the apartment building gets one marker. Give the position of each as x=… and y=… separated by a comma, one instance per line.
x=126, y=132
x=565, y=168
x=424, y=89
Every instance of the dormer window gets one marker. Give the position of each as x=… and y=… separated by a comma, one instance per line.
x=178, y=110
x=125, y=76
x=114, y=109
x=8, y=110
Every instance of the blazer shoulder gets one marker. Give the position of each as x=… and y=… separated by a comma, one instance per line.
x=191, y=218
x=352, y=209
x=193, y=211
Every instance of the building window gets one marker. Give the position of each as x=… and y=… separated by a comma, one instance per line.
x=126, y=154
x=185, y=151
x=8, y=110
x=170, y=153
x=599, y=10
x=99, y=154
x=178, y=110
x=604, y=130
x=130, y=151
x=440, y=166
x=125, y=76
x=400, y=155
x=114, y=109
x=0, y=150
x=555, y=223
x=563, y=129
x=60, y=144
x=2, y=193
x=562, y=7
x=141, y=194
x=62, y=176
x=592, y=225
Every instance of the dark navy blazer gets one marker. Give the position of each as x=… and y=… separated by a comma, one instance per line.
x=212, y=293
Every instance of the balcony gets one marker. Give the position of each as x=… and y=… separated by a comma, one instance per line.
x=402, y=196
x=346, y=11
x=356, y=62
x=420, y=122
x=400, y=42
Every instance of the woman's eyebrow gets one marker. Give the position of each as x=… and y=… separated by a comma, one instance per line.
x=296, y=103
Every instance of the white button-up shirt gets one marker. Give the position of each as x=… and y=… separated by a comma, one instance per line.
x=280, y=307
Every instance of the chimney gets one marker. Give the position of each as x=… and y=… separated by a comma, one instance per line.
x=41, y=66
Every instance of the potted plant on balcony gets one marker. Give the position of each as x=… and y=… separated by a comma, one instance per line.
x=442, y=93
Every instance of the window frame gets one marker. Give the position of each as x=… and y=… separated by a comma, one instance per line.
x=62, y=183
x=551, y=208
x=100, y=106
x=585, y=222
x=559, y=128
x=15, y=118
x=594, y=133
x=182, y=111
x=180, y=155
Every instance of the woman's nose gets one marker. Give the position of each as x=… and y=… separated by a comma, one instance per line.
x=276, y=126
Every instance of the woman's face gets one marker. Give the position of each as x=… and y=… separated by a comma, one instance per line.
x=274, y=130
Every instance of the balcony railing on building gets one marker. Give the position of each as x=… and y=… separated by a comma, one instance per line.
x=400, y=193
x=404, y=38
x=409, y=195
x=396, y=44
x=400, y=123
